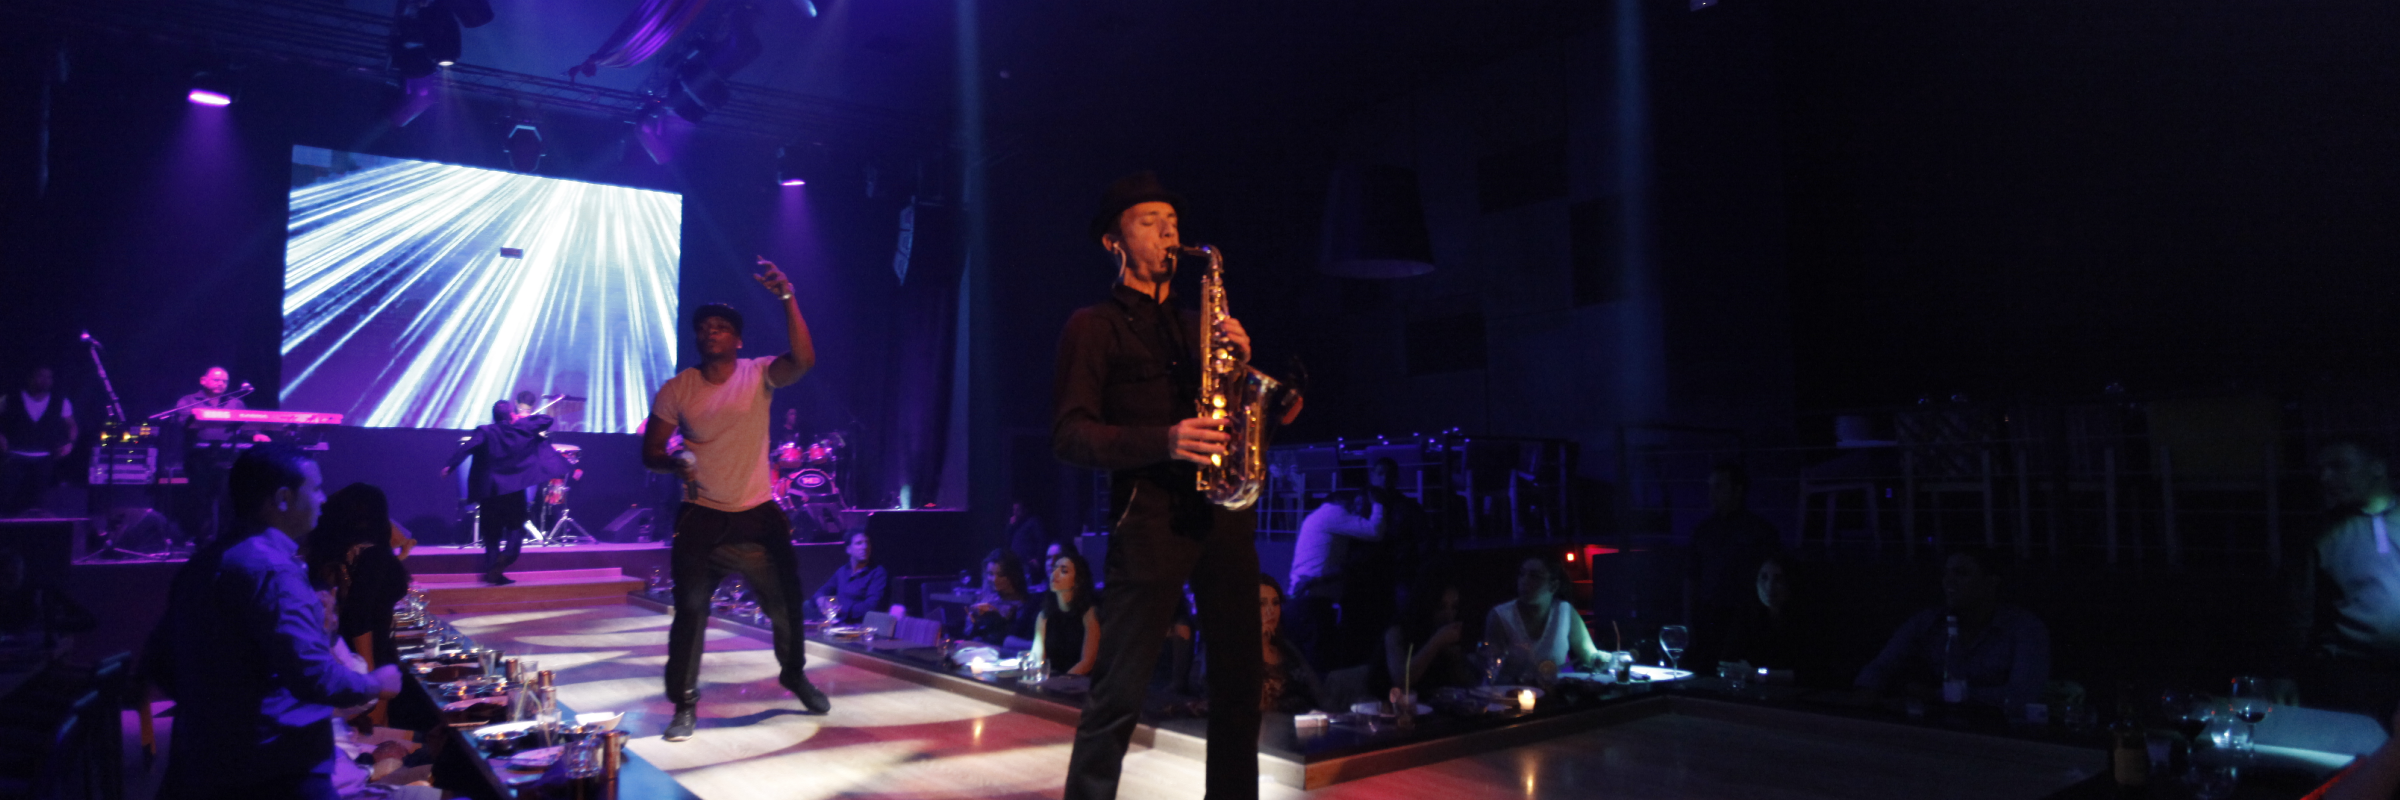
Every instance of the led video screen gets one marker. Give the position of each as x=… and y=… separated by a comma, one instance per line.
x=415, y=294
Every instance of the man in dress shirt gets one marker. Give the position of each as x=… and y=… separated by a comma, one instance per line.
x=243, y=648
x=204, y=458
x=1321, y=565
x=857, y=587
x=1124, y=394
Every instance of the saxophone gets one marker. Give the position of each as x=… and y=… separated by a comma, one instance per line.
x=1233, y=392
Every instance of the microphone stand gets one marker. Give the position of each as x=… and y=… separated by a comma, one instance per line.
x=116, y=420
x=116, y=410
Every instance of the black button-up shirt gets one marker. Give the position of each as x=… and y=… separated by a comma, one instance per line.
x=1128, y=370
x=1126, y=374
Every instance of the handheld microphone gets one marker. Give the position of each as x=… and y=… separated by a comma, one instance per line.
x=87, y=338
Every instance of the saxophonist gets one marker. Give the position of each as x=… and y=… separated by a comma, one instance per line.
x=1125, y=400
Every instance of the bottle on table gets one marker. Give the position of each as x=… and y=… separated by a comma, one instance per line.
x=2129, y=753
x=1954, y=677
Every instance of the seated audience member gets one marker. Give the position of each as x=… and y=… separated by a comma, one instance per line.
x=858, y=586
x=1002, y=608
x=2003, y=651
x=1538, y=635
x=1067, y=633
x=1320, y=558
x=25, y=607
x=1726, y=549
x=1291, y=685
x=1781, y=634
x=355, y=532
x=2346, y=586
x=1425, y=648
x=243, y=650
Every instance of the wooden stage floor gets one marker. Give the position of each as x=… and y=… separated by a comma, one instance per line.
x=891, y=738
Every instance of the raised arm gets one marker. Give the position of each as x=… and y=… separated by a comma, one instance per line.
x=797, y=361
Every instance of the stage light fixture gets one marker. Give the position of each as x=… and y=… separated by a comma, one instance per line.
x=789, y=169
x=210, y=88
x=703, y=80
x=524, y=148
x=424, y=38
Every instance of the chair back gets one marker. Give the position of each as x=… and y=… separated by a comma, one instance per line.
x=917, y=630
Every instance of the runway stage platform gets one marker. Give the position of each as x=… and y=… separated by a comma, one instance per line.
x=897, y=734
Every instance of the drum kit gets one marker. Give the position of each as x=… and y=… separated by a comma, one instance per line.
x=806, y=486
x=562, y=529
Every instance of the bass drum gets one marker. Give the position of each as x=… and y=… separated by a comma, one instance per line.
x=813, y=486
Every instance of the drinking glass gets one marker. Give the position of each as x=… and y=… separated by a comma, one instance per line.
x=2250, y=704
x=1494, y=662
x=830, y=608
x=1673, y=639
x=1620, y=665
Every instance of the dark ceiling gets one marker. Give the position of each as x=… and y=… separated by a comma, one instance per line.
x=871, y=67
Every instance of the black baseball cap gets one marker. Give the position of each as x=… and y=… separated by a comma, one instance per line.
x=721, y=310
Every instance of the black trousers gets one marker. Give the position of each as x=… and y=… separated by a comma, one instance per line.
x=24, y=480
x=502, y=523
x=1314, y=623
x=710, y=544
x=1147, y=568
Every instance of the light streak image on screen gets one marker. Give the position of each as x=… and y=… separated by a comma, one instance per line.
x=415, y=294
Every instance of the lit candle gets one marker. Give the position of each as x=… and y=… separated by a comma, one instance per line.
x=1525, y=699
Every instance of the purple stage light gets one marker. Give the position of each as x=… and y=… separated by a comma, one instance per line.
x=205, y=97
x=794, y=182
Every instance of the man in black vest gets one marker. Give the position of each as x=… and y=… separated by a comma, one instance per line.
x=37, y=429
x=511, y=456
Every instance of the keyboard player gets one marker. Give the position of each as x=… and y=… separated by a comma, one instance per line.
x=206, y=454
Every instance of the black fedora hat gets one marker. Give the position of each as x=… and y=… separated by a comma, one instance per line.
x=1129, y=191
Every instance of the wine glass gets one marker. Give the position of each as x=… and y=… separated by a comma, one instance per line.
x=1673, y=639
x=830, y=608
x=2250, y=704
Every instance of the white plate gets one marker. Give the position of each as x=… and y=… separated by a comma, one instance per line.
x=460, y=705
x=504, y=729
x=1660, y=673
x=1374, y=709
x=607, y=720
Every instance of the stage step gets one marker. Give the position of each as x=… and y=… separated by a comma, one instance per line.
x=466, y=593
